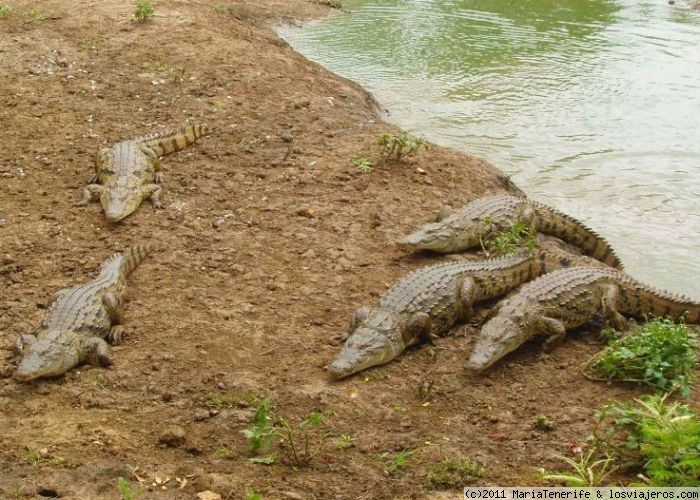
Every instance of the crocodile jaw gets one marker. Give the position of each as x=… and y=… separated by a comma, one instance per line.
x=365, y=348
x=120, y=203
x=499, y=336
x=44, y=358
x=439, y=237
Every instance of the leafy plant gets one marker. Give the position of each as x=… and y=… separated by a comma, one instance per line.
x=41, y=457
x=36, y=15
x=297, y=443
x=219, y=400
x=5, y=11
x=363, y=165
x=399, y=146
x=506, y=242
x=666, y=437
x=451, y=473
x=222, y=9
x=585, y=472
x=180, y=74
x=143, y=10
x=261, y=431
x=399, y=463
x=346, y=441
x=542, y=423
x=660, y=354
x=125, y=489
x=251, y=494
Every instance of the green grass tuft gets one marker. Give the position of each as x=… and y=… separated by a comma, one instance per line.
x=363, y=165
x=451, y=474
x=5, y=11
x=399, y=146
x=143, y=10
x=520, y=235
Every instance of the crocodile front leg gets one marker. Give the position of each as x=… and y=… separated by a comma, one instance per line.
x=152, y=191
x=418, y=329
x=467, y=294
x=555, y=331
x=23, y=342
x=97, y=348
x=91, y=192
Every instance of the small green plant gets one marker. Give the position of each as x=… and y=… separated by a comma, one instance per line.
x=125, y=489
x=425, y=390
x=143, y=10
x=585, y=472
x=399, y=146
x=450, y=474
x=609, y=334
x=251, y=494
x=508, y=241
x=399, y=463
x=363, y=165
x=660, y=354
x=219, y=400
x=261, y=431
x=346, y=441
x=5, y=11
x=222, y=453
x=180, y=74
x=222, y=9
x=36, y=15
x=665, y=436
x=542, y=423
x=41, y=457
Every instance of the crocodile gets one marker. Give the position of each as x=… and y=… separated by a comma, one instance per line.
x=79, y=321
x=129, y=172
x=466, y=228
x=427, y=303
x=568, y=298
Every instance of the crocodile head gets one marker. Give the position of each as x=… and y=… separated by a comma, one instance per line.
x=443, y=237
x=499, y=336
x=377, y=340
x=45, y=358
x=121, y=199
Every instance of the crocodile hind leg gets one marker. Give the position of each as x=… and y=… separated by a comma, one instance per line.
x=554, y=330
x=609, y=303
x=98, y=348
x=115, y=335
x=112, y=306
x=91, y=192
x=467, y=293
x=22, y=342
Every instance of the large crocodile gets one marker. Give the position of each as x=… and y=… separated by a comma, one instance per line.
x=129, y=172
x=468, y=227
x=79, y=320
x=568, y=298
x=427, y=303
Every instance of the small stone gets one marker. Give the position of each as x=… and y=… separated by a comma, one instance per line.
x=201, y=414
x=167, y=397
x=242, y=416
x=306, y=212
x=208, y=495
x=173, y=437
x=421, y=171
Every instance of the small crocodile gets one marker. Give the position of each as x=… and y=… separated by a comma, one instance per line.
x=78, y=322
x=129, y=172
x=568, y=298
x=466, y=228
x=427, y=303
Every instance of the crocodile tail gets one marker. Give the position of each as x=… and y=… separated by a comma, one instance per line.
x=639, y=300
x=551, y=221
x=169, y=142
x=133, y=256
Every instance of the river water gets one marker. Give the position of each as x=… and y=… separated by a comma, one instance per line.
x=592, y=106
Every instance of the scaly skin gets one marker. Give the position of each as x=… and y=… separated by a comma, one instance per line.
x=569, y=298
x=129, y=172
x=427, y=303
x=469, y=226
x=79, y=321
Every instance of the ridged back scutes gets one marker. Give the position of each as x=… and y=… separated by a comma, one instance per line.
x=641, y=299
x=168, y=142
x=125, y=263
x=425, y=284
x=587, y=239
x=490, y=206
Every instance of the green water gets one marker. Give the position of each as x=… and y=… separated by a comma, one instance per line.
x=591, y=106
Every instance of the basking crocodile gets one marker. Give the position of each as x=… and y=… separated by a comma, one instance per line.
x=568, y=298
x=129, y=172
x=427, y=303
x=467, y=227
x=79, y=321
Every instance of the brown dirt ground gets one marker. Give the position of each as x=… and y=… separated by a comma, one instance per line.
x=269, y=240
